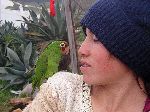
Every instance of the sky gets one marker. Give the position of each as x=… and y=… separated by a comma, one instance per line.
x=11, y=15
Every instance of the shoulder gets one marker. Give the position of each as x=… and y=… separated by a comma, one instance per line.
x=65, y=83
x=68, y=88
x=57, y=94
x=65, y=78
x=66, y=75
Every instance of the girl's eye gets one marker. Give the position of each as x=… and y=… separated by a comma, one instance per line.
x=95, y=39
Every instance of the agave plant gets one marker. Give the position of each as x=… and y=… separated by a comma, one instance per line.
x=9, y=36
x=12, y=36
x=3, y=59
x=45, y=26
x=19, y=70
x=8, y=32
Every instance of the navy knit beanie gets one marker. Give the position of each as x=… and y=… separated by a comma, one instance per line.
x=123, y=27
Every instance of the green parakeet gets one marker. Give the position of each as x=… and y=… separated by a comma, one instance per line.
x=48, y=61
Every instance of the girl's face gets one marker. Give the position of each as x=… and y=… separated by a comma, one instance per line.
x=98, y=66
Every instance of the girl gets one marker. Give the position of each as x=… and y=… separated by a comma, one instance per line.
x=115, y=62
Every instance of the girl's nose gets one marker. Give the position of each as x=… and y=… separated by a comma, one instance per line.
x=84, y=49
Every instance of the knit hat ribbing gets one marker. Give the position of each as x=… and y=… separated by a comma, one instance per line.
x=123, y=27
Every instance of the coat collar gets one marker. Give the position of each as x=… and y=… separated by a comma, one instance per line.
x=147, y=105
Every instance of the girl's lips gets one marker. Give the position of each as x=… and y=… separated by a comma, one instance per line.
x=84, y=64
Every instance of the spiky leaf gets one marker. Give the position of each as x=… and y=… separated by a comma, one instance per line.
x=14, y=59
x=27, y=55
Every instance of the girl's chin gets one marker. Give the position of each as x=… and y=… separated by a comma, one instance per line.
x=91, y=80
x=85, y=70
x=87, y=79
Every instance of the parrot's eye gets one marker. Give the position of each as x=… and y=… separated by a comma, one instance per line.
x=62, y=45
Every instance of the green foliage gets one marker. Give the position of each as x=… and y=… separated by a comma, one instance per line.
x=19, y=70
x=11, y=34
x=47, y=63
x=24, y=95
x=16, y=55
x=5, y=96
x=11, y=37
x=4, y=102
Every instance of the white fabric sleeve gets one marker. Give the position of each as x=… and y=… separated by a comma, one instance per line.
x=46, y=100
x=59, y=94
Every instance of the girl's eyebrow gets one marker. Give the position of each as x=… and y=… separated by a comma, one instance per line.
x=90, y=33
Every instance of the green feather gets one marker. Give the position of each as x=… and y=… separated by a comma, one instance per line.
x=47, y=63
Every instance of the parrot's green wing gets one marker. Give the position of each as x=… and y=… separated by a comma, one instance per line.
x=47, y=63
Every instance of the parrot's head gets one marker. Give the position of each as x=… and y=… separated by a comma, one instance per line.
x=64, y=46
